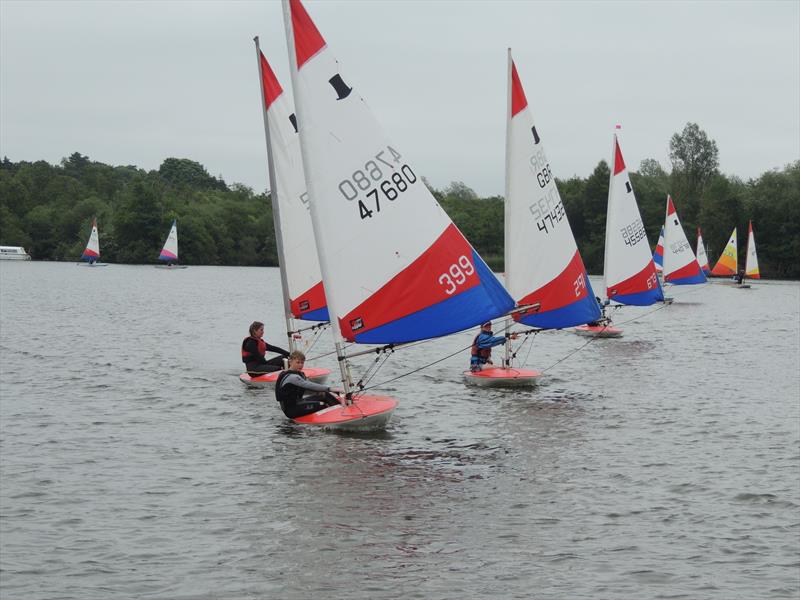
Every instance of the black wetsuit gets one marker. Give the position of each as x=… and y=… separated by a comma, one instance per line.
x=290, y=391
x=253, y=350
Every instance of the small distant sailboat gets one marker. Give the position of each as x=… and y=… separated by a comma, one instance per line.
x=658, y=253
x=728, y=263
x=680, y=264
x=396, y=269
x=92, y=252
x=544, y=269
x=301, y=280
x=751, y=261
x=702, y=256
x=169, y=253
x=628, y=267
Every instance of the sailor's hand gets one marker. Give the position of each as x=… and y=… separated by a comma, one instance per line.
x=513, y=336
x=335, y=391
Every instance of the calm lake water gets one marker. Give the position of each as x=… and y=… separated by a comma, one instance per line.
x=134, y=464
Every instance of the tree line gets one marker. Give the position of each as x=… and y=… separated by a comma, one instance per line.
x=48, y=209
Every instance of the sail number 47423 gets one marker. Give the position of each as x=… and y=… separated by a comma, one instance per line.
x=376, y=182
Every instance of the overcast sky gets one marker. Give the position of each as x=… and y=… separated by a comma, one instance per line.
x=137, y=82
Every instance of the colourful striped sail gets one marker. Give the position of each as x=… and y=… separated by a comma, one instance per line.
x=680, y=264
x=300, y=270
x=751, y=262
x=702, y=256
x=629, y=270
x=92, y=251
x=728, y=263
x=169, y=253
x=395, y=267
x=658, y=254
x=543, y=266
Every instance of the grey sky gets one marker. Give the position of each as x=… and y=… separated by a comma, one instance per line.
x=136, y=82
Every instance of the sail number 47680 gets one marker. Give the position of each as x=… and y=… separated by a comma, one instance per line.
x=388, y=186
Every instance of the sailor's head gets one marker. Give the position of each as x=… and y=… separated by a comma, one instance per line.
x=296, y=360
x=486, y=326
x=255, y=327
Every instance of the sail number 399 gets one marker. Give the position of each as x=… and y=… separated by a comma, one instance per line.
x=456, y=274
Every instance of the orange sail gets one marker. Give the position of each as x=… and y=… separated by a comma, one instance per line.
x=727, y=263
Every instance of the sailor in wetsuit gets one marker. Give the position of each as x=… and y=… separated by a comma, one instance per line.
x=253, y=349
x=481, y=351
x=292, y=386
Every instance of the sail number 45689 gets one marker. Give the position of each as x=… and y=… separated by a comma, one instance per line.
x=456, y=274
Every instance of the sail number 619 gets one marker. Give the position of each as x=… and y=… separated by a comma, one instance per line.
x=457, y=274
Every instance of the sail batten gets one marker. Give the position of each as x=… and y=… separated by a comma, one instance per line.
x=395, y=267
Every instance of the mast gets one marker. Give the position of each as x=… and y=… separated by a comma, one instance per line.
x=506, y=211
x=287, y=311
x=317, y=225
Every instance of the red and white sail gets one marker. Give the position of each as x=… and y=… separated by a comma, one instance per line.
x=544, y=268
x=680, y=264
x=751, y=262
x=395, y=267
x=92, y=251
x=702, y=256
x=630, y=274
x=301, y=274
x=169, y=253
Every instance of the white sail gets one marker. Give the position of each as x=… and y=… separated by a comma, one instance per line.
x=395, y=266
x=543, y=266
x=169, y=252
x=629, y=271
x=299, y=263
x=702, y=255
x=751, y=261
x=92, y=251
x=680, y=264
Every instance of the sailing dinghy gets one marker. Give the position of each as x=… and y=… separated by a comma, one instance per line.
x=728, y=263
x=92, y=252
x=680, y=264
x=751, y=260
x=396, y=269
x=169, y=253
x=702, y=256
x=628, y=267
x=301, y=280
x=544, y=269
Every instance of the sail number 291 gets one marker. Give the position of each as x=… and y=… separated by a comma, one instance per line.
x=456, y=274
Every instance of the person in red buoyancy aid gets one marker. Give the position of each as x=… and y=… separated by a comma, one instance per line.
x=481, y=352
x=253, y=349
x=297, y=395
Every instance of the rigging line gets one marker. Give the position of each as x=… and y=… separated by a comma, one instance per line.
x=578, y=349
x=377, y=385
x=697, y=288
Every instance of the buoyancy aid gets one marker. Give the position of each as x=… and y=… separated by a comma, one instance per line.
x=483, y=353
x=248, y=356
x=288, y=393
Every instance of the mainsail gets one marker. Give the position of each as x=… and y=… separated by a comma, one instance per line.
x=304, y=294
x=92, y=251
x=544, y=268
x=658, y=253
x=728, y=263
x=702, y=256
x=629, y=270
x=751, y=262
x=396, y=268
x=169, y=252
x=680, y=264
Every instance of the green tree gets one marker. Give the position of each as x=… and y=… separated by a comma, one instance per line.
x=695, y=160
